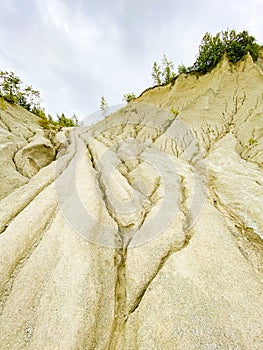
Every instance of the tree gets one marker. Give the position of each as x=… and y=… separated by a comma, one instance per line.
x=164, y=74
x=210, y=53
x=12, y=90
x=64, y=121
x=47, y=122
x=32, y=98
x=75, y=119
x=129, y=97
x=238, y=45
x=167, y=72
x=156, y=74
x=235, y=46
x=10, y=86
x=103, y=106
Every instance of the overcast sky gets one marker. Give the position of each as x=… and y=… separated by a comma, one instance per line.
x=75, y=51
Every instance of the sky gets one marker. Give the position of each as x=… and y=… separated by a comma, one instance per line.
x=76, y=51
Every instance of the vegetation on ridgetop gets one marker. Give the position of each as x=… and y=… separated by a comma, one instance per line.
x=13, y=91
x=234, y=45
x=104, y=106
x=211, y=50
x=163, y=74
x=129, y=97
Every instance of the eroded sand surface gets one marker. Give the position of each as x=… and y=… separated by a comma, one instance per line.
x=146, y=231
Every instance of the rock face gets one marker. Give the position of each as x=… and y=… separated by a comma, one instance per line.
x=146, y=232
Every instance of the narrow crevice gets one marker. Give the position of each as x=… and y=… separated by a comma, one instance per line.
x=151, y=205
x=117, y=334
x=247, y=241
x=94, y=341
x=101, y=187
x=117, y=330
x=173, y=249
x=184, y=209
x=5, y=123
x=15, y=165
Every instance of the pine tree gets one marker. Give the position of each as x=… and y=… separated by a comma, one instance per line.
x=32, y=98
x=10, y=87
x=167, y=72
x=103, y=106
x=75, y=119
x=156, y=74
x=234, y=45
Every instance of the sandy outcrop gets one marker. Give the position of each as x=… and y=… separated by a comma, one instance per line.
x=25, y=147
x=38, y=153
x=146, y=231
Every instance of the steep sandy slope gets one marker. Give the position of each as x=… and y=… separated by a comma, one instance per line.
x=146, y=233
x=25, y=146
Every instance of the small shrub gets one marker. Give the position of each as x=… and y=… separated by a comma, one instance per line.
x=174, y=112
x=252, y=142
x=63, y=121
x=182, y=69
x=129, y=97
x=45, y=124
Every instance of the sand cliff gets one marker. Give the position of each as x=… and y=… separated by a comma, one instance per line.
x=143, y=231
